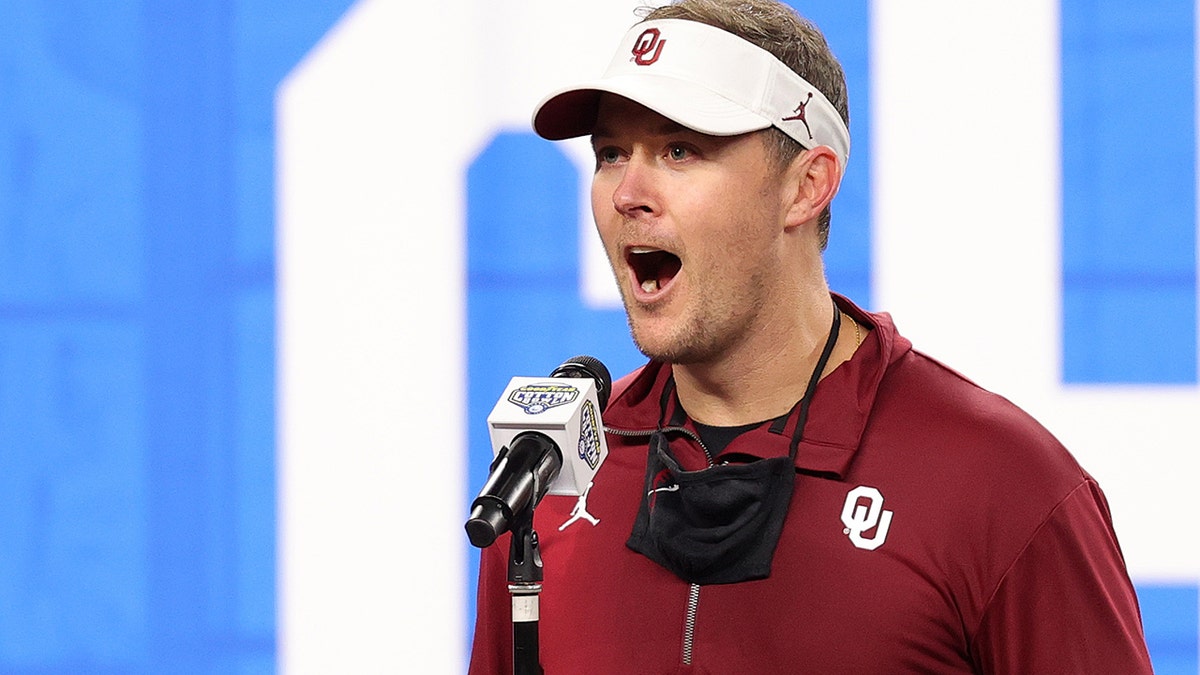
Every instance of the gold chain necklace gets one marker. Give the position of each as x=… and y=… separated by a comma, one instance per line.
x=857, y=334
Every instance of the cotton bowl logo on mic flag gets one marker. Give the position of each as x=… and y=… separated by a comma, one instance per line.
x=538, y=398
x=590, y=439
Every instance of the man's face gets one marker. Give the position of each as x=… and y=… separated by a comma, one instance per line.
x=693, y=227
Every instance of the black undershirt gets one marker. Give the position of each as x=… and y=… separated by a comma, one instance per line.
x=716, y=439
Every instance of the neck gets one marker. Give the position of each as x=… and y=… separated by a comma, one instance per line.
x=764, y=377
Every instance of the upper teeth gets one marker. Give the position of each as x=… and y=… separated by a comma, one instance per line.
x=642, y=249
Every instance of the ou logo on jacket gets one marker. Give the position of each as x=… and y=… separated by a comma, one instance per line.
x=859, y=517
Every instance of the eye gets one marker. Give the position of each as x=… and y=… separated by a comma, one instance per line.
x=678, y=152
x=607, y=155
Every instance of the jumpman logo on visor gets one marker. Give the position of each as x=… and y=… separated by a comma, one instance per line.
x=799, y=115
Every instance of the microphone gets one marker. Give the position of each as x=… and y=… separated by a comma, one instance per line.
x=547, y=438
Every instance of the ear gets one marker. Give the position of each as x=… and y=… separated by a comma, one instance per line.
x=812, y=181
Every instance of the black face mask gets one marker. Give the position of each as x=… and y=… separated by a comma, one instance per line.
x=719, y=525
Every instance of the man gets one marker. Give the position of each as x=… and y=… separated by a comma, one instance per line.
x=791, y=488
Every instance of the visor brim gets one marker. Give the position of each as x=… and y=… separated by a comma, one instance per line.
x=571, y=112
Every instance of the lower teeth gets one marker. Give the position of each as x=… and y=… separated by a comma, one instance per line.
x=650, y=285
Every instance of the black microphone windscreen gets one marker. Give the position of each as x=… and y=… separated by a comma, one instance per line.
x=588, y=366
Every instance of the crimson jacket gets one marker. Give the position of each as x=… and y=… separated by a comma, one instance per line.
x=935, y=528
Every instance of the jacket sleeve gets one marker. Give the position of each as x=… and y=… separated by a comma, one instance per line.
x=1066, y=604
x=491, y=648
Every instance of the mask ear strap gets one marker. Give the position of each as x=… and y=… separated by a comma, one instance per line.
x=665, y=401
x=798, y=434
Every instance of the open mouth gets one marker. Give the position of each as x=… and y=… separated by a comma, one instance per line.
x=653, y=268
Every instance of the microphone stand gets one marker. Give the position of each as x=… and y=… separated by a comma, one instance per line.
x=525, y=584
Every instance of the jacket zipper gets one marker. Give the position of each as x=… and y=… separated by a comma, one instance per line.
x=689, y=623
x=631, y=433
x=693, y=603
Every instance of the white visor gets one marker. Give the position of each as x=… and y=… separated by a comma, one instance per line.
x=704, y=78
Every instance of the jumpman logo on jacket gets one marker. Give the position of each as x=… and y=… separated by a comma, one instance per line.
x=580, y=511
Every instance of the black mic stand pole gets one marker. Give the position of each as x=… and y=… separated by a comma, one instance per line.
x=525, y=584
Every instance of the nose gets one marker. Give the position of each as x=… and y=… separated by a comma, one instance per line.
x=636, y=193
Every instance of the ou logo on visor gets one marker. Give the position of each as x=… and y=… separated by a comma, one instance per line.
x=859, y=517
x=648, y=47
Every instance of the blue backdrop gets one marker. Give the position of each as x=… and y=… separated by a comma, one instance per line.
x=137, y=523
